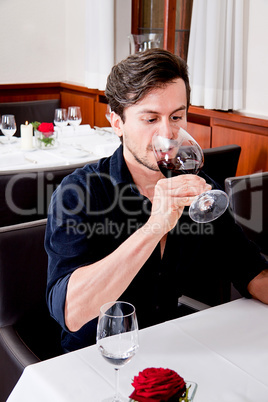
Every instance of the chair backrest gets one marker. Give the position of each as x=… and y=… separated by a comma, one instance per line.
x=248, y=202
x=25, y=195
x=23, y=278
x=27, y=332
x=37, y=110
x=221, y=162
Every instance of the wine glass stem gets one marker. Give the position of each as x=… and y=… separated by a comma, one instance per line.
x=116, y=397
x=9, y=147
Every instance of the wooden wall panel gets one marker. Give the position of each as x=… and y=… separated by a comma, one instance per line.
x=202, y=134
x=29, y=92
x=100, y=111
x=169, y=25
x=254, y=153
x=86, y=104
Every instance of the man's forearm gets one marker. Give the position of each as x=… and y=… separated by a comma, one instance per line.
x=93, y=285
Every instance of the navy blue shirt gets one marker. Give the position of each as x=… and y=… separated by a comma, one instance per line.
x=98, y=207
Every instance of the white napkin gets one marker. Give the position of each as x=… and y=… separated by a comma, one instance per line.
x=75, y=152
x=106, y=149
x=69, y=131
x=11, y=159
x=104, y=130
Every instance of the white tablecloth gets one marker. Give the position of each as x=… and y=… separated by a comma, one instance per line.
x=223, y=349
x=80, y=146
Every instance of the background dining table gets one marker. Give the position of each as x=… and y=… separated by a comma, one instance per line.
x=82, y=144
x=223, y=349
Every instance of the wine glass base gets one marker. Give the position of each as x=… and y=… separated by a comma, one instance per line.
x=209, y=206
x=7, y=141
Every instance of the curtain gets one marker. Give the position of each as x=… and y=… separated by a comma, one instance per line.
x=99, y=42
x=215, y=55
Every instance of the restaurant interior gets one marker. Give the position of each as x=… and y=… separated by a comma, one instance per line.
x=56, y=55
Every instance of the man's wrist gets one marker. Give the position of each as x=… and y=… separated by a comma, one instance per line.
x=153, y=228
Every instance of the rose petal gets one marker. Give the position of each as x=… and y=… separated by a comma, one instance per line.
x=157, y=384
x=46, y=127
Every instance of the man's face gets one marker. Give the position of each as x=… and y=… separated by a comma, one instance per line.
x=159, y=111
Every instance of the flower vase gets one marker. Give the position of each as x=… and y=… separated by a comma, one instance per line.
x=46, y=140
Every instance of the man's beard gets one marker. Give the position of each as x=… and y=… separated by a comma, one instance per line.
x=142, y=160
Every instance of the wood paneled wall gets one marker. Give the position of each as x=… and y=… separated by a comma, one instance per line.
x=210, y=128
x=92, y=101
x=225, y=128
x=29, y=92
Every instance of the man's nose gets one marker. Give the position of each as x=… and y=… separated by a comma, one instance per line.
x=166, y=130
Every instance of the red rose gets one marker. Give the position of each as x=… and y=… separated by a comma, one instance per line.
x=157, y=384
x=46, y=128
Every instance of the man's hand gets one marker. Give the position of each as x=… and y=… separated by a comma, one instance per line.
x=171, y=196
x=258, y=286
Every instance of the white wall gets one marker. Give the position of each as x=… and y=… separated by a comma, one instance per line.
x=44, y=41
x=256, y=59
x=75, y=41
x=32, y=41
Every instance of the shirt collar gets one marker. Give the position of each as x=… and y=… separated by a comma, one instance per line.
x=119, y=171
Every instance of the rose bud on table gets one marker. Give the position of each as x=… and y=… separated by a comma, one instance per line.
x=158, y=384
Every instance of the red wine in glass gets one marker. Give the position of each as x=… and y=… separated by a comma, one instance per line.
x=171, y=169
x=187, y=161
x=181, y=154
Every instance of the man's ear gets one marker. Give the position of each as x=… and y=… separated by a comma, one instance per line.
x=116, y=123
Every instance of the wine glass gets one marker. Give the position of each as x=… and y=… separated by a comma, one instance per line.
x=74, y=116
x=181, y=154
x=107, y=114
x=117, y=337
x=8, y=126
x=60, y=118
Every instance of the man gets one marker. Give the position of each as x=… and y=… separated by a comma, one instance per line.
x=120, y=230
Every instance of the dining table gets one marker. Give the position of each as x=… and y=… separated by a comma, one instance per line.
x=222, y=349
x=82, y=144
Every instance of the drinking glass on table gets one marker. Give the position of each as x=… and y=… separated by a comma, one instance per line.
x=181, y=154
x=74, y=116
x=108, y=113
x=8, y=126
x=60, y=118
x=117, y=337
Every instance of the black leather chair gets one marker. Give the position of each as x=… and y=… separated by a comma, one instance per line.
x=25, y=195
x=221, y=162
x=27, y=332
x=248, y=202
x=37, y=110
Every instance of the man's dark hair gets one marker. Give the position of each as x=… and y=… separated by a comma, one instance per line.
x=133, y=78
